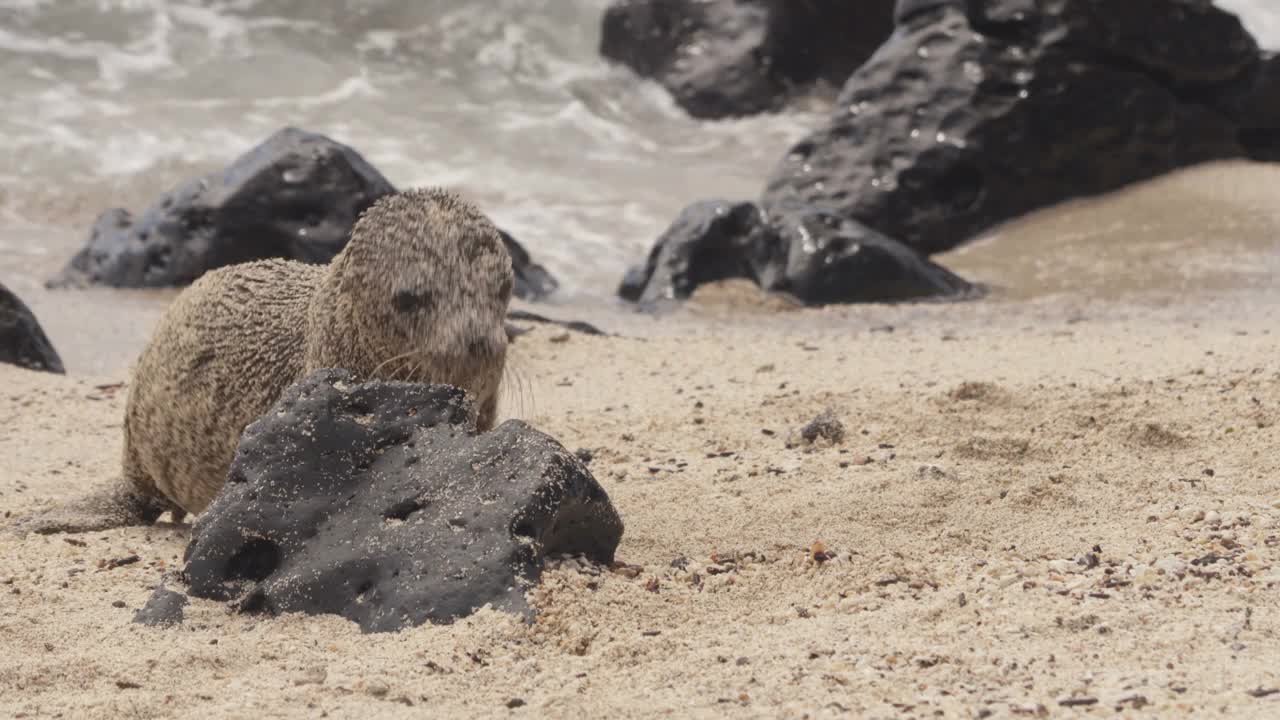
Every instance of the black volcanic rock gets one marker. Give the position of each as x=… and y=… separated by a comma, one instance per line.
x=163, y=609
x=378, y=502
x=296, y=195
x=722, y=58
x=533, y=282
x=579, y=326
x=815, y=256
x=822, y=259
x=978, y=111
x=710, y=240
x=22, y=340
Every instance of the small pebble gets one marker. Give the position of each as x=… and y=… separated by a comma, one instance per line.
x=311, y=676
x=377, y=688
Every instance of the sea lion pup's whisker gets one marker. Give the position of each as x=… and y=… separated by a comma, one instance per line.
x=527, y=390
x=504, y=387
x=524, y=392
x=397, y=372
x=388, y=361
x=412, y=368
x=416, y=369
x=515, y=384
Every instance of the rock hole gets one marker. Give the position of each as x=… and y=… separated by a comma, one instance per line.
x=802, y=150
x=254, y=602
x=361, y=592
x=403, y=509
x=157, y=259
x=255, y=561
x=522, y=528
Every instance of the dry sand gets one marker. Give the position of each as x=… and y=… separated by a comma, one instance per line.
x=1037, y=510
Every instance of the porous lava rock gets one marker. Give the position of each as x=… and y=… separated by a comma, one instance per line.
x=379, y=502
x=972, y=113
x=817, y=257
x=22, y=340
x=978, y=111
x=164, y=608
x=296, y=195
x=708, y=241
x=533, y=282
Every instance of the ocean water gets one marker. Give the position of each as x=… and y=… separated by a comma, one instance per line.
x=109, y=102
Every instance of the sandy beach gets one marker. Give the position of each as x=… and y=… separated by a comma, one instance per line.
x=1058, y=498
x=1039, y=508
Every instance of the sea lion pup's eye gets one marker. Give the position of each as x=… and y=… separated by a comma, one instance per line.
x=407, y=301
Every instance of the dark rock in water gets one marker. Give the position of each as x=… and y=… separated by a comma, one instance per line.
x=977, y=112
x=22, y=340
x=296, y=196
x=822, y=259
x=378, y=502
x=708, y=241
x=722, y=58
x=533, y=282
x=815, y=256
x=574, y=325
x=703, y=53
x=164, y=608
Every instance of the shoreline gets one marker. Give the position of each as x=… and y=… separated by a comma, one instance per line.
x=1190, y=237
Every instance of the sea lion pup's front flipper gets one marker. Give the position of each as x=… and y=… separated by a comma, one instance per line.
x=112, y=505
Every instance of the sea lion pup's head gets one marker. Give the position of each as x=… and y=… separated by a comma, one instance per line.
x=419, y=293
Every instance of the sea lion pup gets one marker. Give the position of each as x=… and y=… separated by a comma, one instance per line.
x=419, y=293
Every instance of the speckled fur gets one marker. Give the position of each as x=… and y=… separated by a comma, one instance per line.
x=419, y=294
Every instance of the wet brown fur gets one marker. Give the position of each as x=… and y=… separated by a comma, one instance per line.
x=419, y=294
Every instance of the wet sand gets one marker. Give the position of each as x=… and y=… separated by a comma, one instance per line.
x=1207, y=229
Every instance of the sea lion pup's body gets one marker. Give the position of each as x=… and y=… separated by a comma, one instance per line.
x=419, y=294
